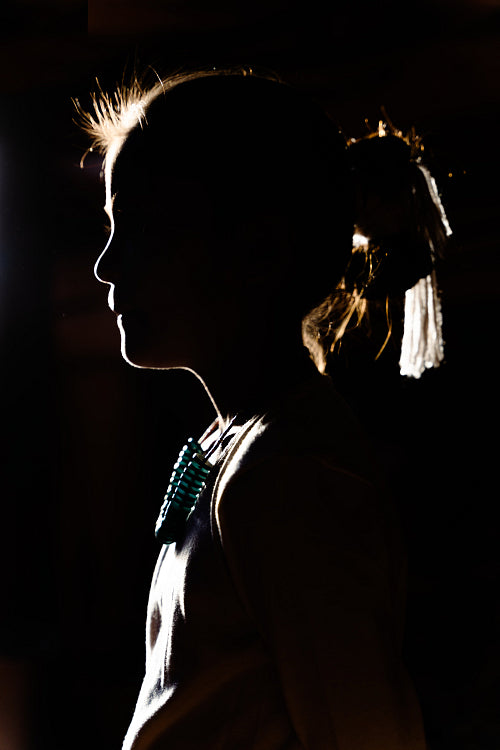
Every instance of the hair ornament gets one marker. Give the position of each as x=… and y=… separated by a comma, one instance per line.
x=400, y=232
x=423, y=346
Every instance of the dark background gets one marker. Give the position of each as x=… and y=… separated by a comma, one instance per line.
x=88, y=443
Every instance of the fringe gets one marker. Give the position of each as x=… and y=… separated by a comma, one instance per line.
x=422, y=346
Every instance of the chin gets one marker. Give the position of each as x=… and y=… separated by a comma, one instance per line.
x=139, y=355
x=146, y=347
x=130, y=359
x=135, y=349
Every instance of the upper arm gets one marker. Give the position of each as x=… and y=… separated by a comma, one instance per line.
x=307, y=549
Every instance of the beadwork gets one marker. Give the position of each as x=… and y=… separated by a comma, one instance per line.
x=186, y=484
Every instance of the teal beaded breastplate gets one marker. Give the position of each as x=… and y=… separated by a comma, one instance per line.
x=186, y=484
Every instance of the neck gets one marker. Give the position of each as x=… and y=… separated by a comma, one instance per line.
x=244, y=389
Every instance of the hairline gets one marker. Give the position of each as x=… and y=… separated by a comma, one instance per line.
x=114, y=117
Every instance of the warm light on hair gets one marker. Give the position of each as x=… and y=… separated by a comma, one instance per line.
x=111, y=119
x=386, y=127
x=113, y=116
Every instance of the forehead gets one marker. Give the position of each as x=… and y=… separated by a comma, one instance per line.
x=152, y=187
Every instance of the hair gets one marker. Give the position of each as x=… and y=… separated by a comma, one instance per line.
x=400, y=232
x=368, y=207
x=114, y=116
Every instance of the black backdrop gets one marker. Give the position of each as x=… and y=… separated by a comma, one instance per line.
x=87, y=443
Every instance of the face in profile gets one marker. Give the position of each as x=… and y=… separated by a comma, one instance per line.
x=218, y=200
x=159, y=264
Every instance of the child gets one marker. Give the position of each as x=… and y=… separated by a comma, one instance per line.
x=276, y=607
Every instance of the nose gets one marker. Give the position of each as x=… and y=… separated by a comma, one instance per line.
x=103, y=273
x=103, y=270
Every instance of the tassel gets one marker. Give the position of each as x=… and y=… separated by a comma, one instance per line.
x=422, y=345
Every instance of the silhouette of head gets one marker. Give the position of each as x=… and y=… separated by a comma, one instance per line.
x=231, y=218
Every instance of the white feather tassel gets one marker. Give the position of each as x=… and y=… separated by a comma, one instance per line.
x=422, y=345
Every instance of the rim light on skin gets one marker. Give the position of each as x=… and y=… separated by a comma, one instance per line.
x=112, y=119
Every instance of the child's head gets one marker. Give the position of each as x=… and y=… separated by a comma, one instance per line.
x=233, y=200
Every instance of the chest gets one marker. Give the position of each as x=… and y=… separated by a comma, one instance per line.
x=194, y=610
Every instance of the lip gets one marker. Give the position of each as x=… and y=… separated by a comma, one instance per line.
x=116, y=303
x=121, y=306
x=130, y=317
x=119, y=309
